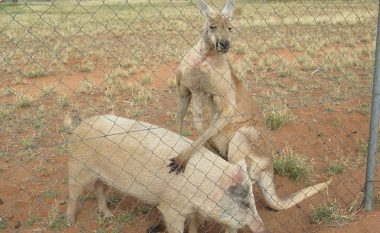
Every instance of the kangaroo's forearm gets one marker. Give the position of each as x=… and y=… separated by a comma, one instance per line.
x=216, y=125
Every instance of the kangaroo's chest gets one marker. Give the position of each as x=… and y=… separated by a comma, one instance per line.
x=199, y=81
x=207, y=77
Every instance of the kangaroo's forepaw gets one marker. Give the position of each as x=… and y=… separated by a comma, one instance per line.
x=177, y=165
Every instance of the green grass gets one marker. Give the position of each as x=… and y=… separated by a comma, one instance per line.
x=86, y=67
x=57, y=223
x=6, y=113
x=126, y=217
x=50, y=194
x=114, y=84
x=4, y=155
x=28, y=154
x=141, y=95
x=362, y=149
x=29, y=142
x=63, y=101
x=36, y=72
x=146, y=80
x=377, y=198
x=292, y=165
x=101, y=230
x=10, y=7
x=330, y=214
x=187, y=133
x=37, y=123
x=240, y=50
x=284, y=72
x=3, y=224
x=61, y=149
x=7, y=91
x=56, y=220
x=19, y=81
x=144, y=210
x=277, y=116
x=47, y=91
x=87, y=87
x=23, y=101
x=336, y=168
x=31, y=221
x=44, y=172
x=114, y=199
x=363, y=109
x=171, y=83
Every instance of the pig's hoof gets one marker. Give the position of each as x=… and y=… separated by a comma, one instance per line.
x=177, y=165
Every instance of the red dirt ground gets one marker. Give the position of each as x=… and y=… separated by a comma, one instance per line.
x=317, y=133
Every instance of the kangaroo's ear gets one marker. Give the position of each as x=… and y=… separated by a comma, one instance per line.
x=228, y=9
x=206, y=10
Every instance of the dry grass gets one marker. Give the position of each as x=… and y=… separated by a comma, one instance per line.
x=56, y=221
x=36, y=72
x=331, y=214
x=7, y=91
x=87, y=87
x=140, y=94
x=293, y=165
x=277, y=115
x=23, y=101
x=63, y=101
x=86, y=67
x=48, y=90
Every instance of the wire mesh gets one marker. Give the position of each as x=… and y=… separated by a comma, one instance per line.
x=307, y=64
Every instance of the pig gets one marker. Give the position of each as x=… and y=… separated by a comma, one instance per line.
x=131, y=156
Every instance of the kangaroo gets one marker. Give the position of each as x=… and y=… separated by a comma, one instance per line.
x=132, y=157
x=223, y=111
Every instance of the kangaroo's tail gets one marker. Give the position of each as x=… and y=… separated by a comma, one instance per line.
x=268, y=189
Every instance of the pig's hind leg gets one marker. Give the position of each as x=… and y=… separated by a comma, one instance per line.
x=175, y=222
x=79, y=179
x=100, y=188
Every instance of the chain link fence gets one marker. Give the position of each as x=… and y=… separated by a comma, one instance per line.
x=308, y=66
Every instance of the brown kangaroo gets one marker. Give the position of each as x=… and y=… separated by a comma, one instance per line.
x=223, y=111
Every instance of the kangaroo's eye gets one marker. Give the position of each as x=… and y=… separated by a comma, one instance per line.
x=230, y=28
x=212, y=27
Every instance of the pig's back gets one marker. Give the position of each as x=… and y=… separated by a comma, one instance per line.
x=133, y=157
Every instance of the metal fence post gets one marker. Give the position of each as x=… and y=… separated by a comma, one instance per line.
x=374, y=124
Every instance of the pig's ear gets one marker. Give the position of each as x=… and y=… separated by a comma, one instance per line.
x=235, y=174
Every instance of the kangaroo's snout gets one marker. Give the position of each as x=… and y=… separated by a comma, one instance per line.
x=222, y=45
